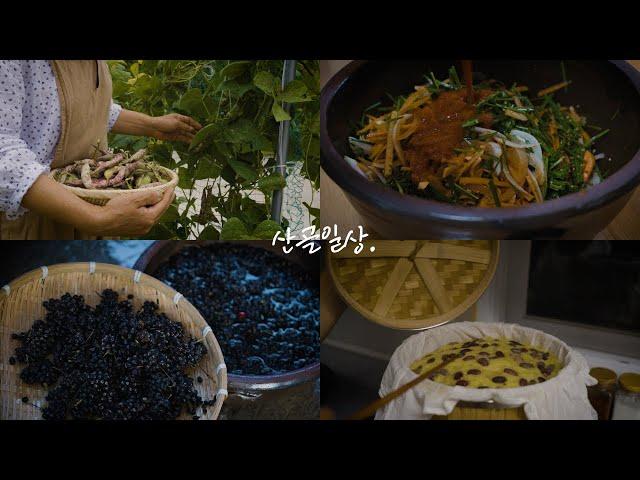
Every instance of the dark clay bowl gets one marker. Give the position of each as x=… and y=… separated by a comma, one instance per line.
x=599, y=89
x=160, y=251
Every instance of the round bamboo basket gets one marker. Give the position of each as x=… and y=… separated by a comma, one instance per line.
x=414, y=284
x=102, y=196
x=21, y=305
x=483, y=411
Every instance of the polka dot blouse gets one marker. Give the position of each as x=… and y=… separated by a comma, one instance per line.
x=29, y=128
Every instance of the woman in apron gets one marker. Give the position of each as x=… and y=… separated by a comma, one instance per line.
x=52, y=112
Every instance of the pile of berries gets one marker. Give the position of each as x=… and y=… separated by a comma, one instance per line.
x=110, y=362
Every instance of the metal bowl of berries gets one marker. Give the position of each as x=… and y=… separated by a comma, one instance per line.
x=263, y=305
x=98, y=341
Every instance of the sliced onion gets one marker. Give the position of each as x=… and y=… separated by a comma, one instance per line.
x=536, y=188
x=489, y=131
x=513, y=183
x=360, y=147
x=494, y=152
x=519, y=145
x=535, y=157
x=595, y=179
x=354, y=164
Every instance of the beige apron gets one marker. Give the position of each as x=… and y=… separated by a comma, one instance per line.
x=84, y=89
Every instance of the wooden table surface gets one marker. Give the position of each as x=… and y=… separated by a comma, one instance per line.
x=337, y=210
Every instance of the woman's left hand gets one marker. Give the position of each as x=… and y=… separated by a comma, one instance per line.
x=174, y=127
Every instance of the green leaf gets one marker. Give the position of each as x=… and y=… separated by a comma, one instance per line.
x=266, y=230
x=209, y=233
x=314, y=212
x=253, y=212
x=192, y=103
x=171, y=215
x=273, y=182
x=266, y=82
x=233, y=229
x=207, y=132
x=207, y=168
x=234, y=69
x=160, y=232
x=279, y=113
x=295, y=91
x=245, y=131
x=161, y=153
x=184, y=178
x=228, y=174
x=243, y=169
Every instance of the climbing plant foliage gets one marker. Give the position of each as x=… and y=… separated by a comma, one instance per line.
x=240, y=106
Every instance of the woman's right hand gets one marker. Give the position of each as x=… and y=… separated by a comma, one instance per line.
x=131, y=215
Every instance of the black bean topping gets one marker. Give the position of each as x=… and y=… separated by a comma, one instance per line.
x=431, y=360
x=541, y=379
x=499, y=354
x=511, y=372
x=473, y=371
x=462, y=383
x=483, y=361
x=469, y=357
x=499, y=379
x=458, y=375
x=526, y=365
x=523, y=382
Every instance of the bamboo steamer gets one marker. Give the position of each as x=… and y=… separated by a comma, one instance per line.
x=483, y=411
x=100, y=196
x=414, y=284
x=21, y=305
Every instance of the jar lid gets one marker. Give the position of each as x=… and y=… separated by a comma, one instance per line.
x=605, y=377
x=630, y=381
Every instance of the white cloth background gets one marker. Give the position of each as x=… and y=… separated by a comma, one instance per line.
x=563, y=397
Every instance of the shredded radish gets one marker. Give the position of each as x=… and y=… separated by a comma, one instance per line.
x=354, y=164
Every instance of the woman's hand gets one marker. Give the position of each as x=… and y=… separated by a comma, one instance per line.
x=167, y=127
x=131, y=215
x=174, y=127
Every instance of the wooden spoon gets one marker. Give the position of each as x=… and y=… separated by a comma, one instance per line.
x=371, y=409
x=467, y=72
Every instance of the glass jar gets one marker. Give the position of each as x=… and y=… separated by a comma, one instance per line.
x=602, y=394
x=627, y=405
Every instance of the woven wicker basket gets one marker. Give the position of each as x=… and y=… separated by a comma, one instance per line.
x=471, y=411
x=102, y=196
x=414, y=284
x=21, y=304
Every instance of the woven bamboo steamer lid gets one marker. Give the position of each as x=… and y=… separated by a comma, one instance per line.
x=414, y=284
x=21, y=305
x=100, y=196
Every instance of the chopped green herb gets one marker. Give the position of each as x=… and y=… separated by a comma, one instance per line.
x=470, y=123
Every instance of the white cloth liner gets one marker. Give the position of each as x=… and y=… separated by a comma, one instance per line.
x=563, y=397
